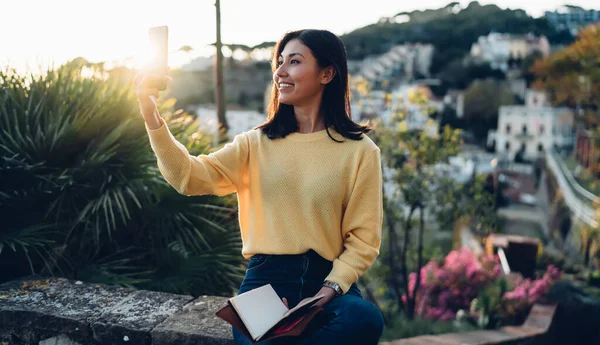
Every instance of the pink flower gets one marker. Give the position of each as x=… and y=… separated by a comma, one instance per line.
x=447, y=315
x=444, y=299
x=434, y=313
x=451, y=285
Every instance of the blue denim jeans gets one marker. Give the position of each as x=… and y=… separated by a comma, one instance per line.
x=347, y=319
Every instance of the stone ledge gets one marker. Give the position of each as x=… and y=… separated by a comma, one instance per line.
x=56, y=311
x=195, y=324
x=33, y=310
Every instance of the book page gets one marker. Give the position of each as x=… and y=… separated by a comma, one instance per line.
x=302, y=303
x=260, y=309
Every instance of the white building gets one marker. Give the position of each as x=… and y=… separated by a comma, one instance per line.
x=455, y=99
x=497, y=48
x=532, y=128
x=572, y=18
x=409, y=60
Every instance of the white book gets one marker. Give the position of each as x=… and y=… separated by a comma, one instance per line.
x=261, y=309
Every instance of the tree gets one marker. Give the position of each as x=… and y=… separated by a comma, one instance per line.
x=572, y=75
x=483, y=99
x=219, y=85
x=459, y=74
x=572, y=78
x=411, y=156
x=589, y=239
x=528, y=62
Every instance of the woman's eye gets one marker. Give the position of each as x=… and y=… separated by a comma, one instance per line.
x=293, y=61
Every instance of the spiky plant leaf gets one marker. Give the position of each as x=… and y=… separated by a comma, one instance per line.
x=81, y=195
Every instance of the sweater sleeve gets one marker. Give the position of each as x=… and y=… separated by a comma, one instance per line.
x=361, y=224
x=218, y=173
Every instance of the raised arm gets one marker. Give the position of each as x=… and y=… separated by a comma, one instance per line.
x=217, y=173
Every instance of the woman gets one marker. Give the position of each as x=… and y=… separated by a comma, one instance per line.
x=309, y=189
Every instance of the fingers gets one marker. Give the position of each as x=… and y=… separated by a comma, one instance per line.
x=285, y=302
x=150, y=84
x=143, y=89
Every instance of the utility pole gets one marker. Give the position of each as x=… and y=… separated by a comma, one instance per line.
x=218, y=75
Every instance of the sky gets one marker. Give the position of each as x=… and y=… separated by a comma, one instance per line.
x=39, y=32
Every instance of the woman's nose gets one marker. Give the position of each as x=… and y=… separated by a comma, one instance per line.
x=280, y=72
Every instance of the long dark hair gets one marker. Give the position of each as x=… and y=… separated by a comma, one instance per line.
x=329, y=50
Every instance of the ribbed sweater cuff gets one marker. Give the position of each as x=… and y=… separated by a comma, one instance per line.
x=343, y=274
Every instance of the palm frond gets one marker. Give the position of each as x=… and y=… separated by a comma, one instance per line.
x=82, y=195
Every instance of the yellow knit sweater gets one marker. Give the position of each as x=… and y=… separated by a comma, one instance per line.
x=302, y=192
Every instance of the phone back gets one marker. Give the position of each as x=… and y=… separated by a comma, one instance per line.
x=159, y=44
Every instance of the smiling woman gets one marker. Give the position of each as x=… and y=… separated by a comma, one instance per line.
x=310, y=71
x=309, y=188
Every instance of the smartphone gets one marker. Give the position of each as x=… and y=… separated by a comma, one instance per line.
x=159, y=48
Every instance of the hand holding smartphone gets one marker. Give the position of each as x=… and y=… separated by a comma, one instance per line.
x=153, y=77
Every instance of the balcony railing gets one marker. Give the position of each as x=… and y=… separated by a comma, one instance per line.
x=578, y=199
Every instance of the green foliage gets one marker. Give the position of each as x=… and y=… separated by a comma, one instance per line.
x=528, y=62
x=483, y=99
x=589, y=244
x=488, y=304
x=411, y=154
x=451, y=29
x=572, y=75
x=81, y=195
x=459, y=74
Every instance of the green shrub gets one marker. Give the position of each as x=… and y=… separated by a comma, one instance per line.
x=81, y=195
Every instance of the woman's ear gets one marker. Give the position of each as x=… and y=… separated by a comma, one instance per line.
x=327, y=75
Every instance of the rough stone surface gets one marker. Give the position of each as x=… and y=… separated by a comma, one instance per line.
x=34, y=309
x=59, y=340
x=130, y=320
x=195, y=324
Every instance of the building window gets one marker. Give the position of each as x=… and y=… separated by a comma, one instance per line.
x=540, y=147
x=507, y=146
x=507, y=129
x=524, y=130
x=542, y=129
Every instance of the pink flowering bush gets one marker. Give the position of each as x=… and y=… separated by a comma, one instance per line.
x=449, y=287
x=527, y=291
x=457, y=282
